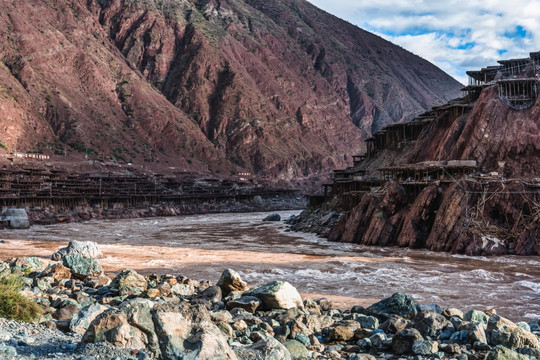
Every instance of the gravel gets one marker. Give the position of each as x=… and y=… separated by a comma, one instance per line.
x=24, y=341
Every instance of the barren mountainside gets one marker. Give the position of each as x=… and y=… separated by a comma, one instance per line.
x=279, y=88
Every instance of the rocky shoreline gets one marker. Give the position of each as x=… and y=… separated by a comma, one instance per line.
x=88, y=316
x=52, y=215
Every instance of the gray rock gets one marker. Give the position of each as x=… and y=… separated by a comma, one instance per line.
x=425, y=347
x=82, y=267
x=367, y=322
x=524, y=325
x=7, y=351
x=267, y=349
x=18, y=219
x=362, y=357
x=503, y=332
x=81, y=321
x=272, y=217
x=377, y=339
x=248, y=303
x=503, y=353
x=296, y=349
x=187, y=332
x=277, y=295
x=403, y=341
x=88, y=249
x=183, y=289
x=430, y=323
x=476, y=333
x=429, y=307
x=230, y=281
x=129, y=282
x=399, y=304
x=451, y=312
x=460, y=337
x=476, y=316
x=394, y=324
x=530, y=352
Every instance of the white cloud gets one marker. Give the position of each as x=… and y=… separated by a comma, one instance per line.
x=455, y=35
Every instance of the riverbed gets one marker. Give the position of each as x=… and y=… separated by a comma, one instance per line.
x=201, y=246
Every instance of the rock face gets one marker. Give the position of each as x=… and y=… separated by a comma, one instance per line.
x=277, y=295
x=235, y=82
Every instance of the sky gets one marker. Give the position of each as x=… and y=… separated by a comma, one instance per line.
x=454, y=35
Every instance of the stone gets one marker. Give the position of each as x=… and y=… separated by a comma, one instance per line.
x=17, y=218
x=399, y=304
x=6, y=350
x=152, y=293
x=87, y=249
x=184, y=329
x=429, y=307
x=248, y=303
x=128, y=325
x=367, y=322
x=129, y=282
x=81, y=321
x=183, y=290
x=230, y=281
x=451, y=312
x=272, y=217
x=403, y=341
x=325, y=304
x=460, y=337
x=267, y=349
x=450, y=348
x=57, y=271
x=277, y=295
x=341, y=333
x=362, y=357
x=212, y=294
x=524, y=325
x=66, y=312
x=82, y=267
x=377, y=339
x=503, y=353
x=394, y=324
x=430, y=323
x=530, y=352
x=296, y=349
x=476, y=333
x=425, y=347
x=476, y=316
x=501, y=331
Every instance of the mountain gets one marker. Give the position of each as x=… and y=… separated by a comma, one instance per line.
x=278, y=88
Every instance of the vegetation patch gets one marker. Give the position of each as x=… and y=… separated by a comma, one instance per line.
x=15, y=306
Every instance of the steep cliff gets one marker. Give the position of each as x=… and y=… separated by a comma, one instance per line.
x=279, y=88
x=496, y=211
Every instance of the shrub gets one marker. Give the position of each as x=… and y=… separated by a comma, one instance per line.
x=15, y=306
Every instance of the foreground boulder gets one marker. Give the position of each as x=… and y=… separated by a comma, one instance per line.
x=170, y=330
x=402, y=342
x=502, y=353
x=129, y=325
x=82, y=320
x=277, y=295
x=501, y=331
x=87, y=249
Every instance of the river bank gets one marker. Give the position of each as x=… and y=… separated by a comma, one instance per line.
x=53, y=214
x=172, y=316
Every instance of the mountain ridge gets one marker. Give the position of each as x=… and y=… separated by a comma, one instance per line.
x=216, y=85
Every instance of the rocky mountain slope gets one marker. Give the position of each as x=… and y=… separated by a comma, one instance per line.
x=278, y=88
x=493, y=211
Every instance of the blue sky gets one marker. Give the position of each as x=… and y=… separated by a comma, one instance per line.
x=455, y=35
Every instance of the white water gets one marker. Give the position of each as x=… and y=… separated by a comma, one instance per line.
x=212, y=242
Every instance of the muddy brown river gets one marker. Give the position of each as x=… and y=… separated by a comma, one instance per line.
x=201, y=246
